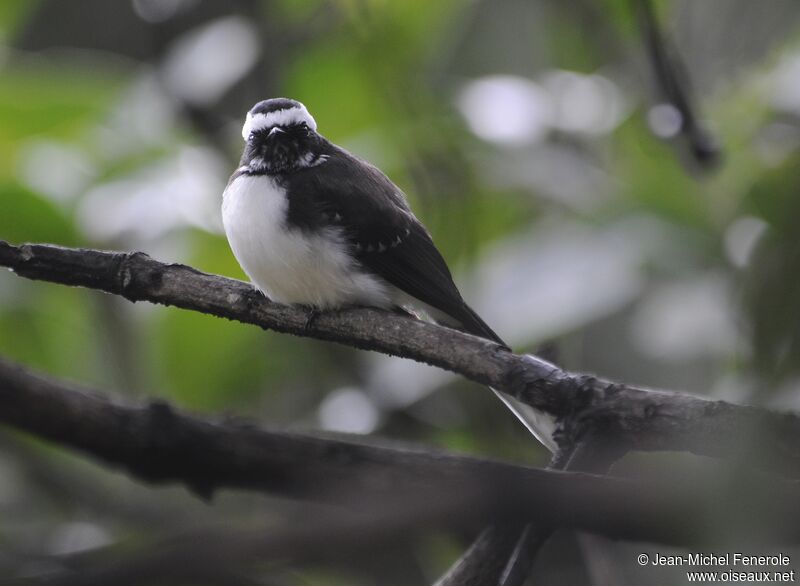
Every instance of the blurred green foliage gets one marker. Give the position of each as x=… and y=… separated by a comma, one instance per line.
x=642, y=266
x=382, y=78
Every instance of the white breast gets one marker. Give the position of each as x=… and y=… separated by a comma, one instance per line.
x=287, y=264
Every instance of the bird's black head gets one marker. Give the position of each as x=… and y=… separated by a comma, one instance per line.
x=281, y=137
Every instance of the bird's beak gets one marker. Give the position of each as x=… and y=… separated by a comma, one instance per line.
x=277, y=130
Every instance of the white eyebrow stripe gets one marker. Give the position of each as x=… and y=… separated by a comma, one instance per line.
x=285, y=117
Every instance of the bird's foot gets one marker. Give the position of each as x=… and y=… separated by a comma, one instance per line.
x=253, y=298
x=312, y=313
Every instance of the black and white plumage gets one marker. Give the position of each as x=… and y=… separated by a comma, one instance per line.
x=312, y=224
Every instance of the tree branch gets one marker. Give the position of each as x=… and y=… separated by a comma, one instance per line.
x=633, y=417
x=672, y=79
x=160, y=444
x=486, y=560
x=503, y=555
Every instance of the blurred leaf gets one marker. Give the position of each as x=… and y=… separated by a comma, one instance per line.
x=55, y=101
x=572, y=48
x=205, y=362
x=348, y=105
x=50, y=328
x=623, y=14
x=12, y=12
x=773, y=291
x=28, y=217
x=772, y=282
x=655, y=177
x=775, y=196
x=298, y=11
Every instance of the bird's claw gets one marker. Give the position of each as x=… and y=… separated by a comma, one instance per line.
x=312, y=314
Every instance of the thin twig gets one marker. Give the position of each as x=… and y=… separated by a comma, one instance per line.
x=484, y=562
x=589, y=455
x=673, y=82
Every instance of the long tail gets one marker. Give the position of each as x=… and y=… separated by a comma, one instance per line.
x=539, y=423
x=472, y=323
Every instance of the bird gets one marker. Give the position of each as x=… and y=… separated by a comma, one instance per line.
x=314, y=225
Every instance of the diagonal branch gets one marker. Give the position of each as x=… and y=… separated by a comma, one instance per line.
x=673, y=82
x=485, y=561
x=633, y=417
x=503, y=555
x=159, y=444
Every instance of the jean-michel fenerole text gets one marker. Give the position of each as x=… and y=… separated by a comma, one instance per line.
x=723, y=560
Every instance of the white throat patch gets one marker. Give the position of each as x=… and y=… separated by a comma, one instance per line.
x=294, y=115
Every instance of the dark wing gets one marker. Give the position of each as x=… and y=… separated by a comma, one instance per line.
x=386, y=237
